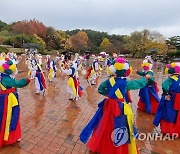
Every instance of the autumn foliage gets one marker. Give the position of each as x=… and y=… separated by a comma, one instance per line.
x=79, y=40
x=30, y=27
x=138, y=43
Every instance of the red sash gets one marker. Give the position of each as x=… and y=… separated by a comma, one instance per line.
x=7, y=91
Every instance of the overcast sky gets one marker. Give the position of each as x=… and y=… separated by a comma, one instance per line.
x=112, y=16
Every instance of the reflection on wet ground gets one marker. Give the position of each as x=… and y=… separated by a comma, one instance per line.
x=52, y=123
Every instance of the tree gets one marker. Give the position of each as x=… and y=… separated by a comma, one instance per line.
x=38, y=40
x=94, y=38
x=143, y=41
x=79, y=41
x=5, y=33
x=105, y=44
x=1, y=40
x=30, y=27
x=2, y=25
x=52, y=39
x=132, y=42
x=64, y=40
x=175, y=41
x=16, y=41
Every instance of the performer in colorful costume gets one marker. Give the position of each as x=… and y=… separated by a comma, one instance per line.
x=40, y=83
x=149, y=99
x=13, y=57
x=73, y=85
x=92, y=72
x=31, y=68
x=112, y=127
x=10, y=130
x=52, y=70
x=2, y=55
x=77, y=65
x=108, y=61
x=48, y=62
x=39, y=59
x=168, y=113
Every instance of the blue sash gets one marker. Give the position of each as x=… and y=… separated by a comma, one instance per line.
x=120, y=84
x=118, y=121
x=73, y=71
x=38, y=75
x=165, y=111
x=87, y=131
x=145, y=96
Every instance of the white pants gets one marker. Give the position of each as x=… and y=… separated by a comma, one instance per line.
x=53, y=75
x=33, y=74
x=37, y=86
x=70, y=91
x=92, y=79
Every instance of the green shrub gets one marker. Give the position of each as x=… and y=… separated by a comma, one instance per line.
x=174, y=54
x=3, y=49
x=43, y=52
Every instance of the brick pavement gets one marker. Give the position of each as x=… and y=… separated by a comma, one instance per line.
x=52, y=124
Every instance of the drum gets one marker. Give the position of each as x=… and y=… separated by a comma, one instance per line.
x=61, y=64
x=83, y=72
x=99, y=73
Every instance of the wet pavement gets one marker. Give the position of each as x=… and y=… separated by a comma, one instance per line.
x=51, y=124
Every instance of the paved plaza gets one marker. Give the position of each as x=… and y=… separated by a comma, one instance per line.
x=51, y=124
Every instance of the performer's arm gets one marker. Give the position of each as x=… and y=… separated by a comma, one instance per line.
x=166, y=85
x=10, y=82
x=136, y=84
x=151, y=80
x=67, y=72
x=102, y=89
x=141, y=73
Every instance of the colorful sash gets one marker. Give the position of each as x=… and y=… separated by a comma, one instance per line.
x=144, y=95
x=12, y=110
x=50, y=73
x=123, y=117
x=92, y=70
x=127, y=111
x=41, y=78
x=115, y=89
x=167, y=110
x=29, y=72
x=71, y=84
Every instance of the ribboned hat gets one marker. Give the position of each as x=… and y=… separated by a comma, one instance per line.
x=48, y=56
x=3, y=55
x=10, y=55
x=7, y=66
x=173, y=68
x=120, y=67
x=147, y=64
x=76, y=55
